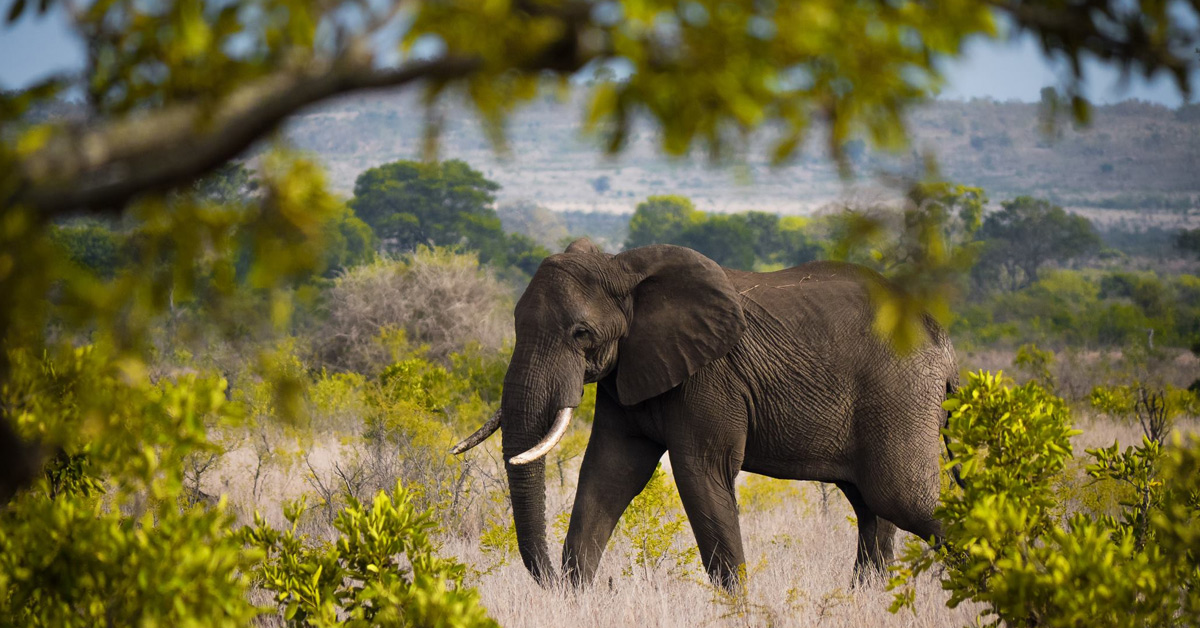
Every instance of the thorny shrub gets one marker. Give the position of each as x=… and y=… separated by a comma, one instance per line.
x=438, y=297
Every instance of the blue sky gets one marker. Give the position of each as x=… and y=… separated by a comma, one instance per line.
x=38, y=47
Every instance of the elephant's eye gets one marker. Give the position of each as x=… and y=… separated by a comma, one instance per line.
x=582, y=334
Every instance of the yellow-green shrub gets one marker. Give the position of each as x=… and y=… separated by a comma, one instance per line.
x=382, y=570
x=1007, y=546
x=101, y=538
x=653, y=524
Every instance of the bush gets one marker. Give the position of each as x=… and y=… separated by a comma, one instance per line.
x=103, y=538
x=383, y=570
x=1009, y=546
x=653, y=523
x=436, y=297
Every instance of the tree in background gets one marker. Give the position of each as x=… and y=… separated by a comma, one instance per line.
x=661, y=220
x=727, y=240
x=1027, y=234
x=448, y=203
x=1188, y=241
x=231, y=183
x=744, y=241
x=91, y=244
x=350, y=242
x=432, y=203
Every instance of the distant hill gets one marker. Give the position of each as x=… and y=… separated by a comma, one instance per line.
x=1133, y=156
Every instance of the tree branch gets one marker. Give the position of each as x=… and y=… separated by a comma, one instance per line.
x=1074, y=29
x=100, y=169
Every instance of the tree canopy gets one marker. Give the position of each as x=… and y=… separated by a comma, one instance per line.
x=448, y=203
x=433, y=203
x=1027, y=234
x=745, y=241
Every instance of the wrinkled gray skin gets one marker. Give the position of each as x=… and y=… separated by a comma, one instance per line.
x=773, y=373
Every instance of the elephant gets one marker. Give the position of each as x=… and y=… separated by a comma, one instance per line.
x=778, y=373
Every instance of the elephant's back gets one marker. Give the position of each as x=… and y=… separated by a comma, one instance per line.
x=808, y=300
x=810, y=344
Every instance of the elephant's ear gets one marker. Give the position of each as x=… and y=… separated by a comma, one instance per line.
x=685, y=314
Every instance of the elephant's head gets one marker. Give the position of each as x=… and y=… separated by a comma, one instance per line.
x=650, y=316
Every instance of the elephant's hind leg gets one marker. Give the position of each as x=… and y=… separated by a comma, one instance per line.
x=875, y=537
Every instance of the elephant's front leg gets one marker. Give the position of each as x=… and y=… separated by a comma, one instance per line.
x=706, y=487
x=616, y=467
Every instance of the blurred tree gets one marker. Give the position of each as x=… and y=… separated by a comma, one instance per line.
x=432, y=203
x=90, y=243
x=1029, y=233
x=798, y=246
x=727, y=240
x=661, y=220
x=350, y=241
x=1188, y=241
x=228, y=183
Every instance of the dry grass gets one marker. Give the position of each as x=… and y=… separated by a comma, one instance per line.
x=800, y=560
x=800, y=547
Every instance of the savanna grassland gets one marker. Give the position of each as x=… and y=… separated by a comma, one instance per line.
x=800, y=536
x=315, y=459
x=259, y=261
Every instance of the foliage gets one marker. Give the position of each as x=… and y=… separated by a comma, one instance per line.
x=349, y=242
x=1127, y=402
x=229, y=184
x=102, y=537
x=382, y=570
x=661, y=220
x=761, y=493
x=746, y=241
x=925, y=249
x=411, y=204
x=498, y=541
x=1027, y=234
x=1036, y=362
x=91, y=245
x=653, y=523
x=1116, y=308
x=1008, y=546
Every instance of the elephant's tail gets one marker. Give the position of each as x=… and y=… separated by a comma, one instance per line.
x=951, y=388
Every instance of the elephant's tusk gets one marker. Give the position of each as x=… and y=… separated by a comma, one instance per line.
x=479, y=436
x=561, y=420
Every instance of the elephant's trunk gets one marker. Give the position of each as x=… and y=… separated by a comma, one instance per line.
x=527, y=486
x=524, y=424
x=538, y=395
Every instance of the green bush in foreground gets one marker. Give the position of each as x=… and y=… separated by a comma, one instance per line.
x=1010, y=548
x=381, y=571
x=111, y=534
x=102, y=538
